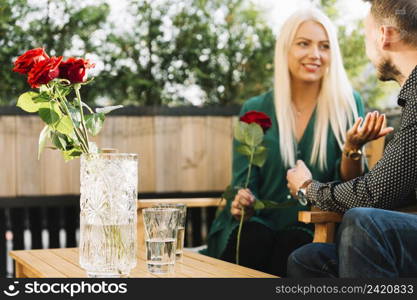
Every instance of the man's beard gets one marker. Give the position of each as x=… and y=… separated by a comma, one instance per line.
x=387, y=71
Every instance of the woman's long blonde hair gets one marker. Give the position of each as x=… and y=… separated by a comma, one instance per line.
x=335, y=103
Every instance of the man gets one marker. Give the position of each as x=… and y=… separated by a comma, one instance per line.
x=372, y=242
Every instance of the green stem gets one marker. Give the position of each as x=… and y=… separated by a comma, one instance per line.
x=88, y=107
x=242, y=208
x=113, y=237
x=250, y=166
x=63, y=104
x=78, y=134
x=77, y=92
x=238, y=235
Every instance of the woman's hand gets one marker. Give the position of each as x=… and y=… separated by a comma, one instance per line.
x=297, y=176
x=371, y=129
x=243, y=199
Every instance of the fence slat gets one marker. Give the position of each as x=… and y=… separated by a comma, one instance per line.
x=141, y=140
x=17, y=217
x=71, y=223
x=8, y=156
x=219, y=152
x=35, y=217
x=28, y=167
x=114, y=134
x=195, y=213
x=3, y=245
x=53, y=225
x=167, y=151
x=193, y=154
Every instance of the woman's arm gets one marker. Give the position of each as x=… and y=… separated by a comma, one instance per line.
x=349, y=167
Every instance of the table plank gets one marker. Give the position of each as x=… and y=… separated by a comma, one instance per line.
x=72, y=255
x=180, y=270
x=58, y=257
x=64, y=263
x=33, y=266
x=213, y=270
x=226, y=265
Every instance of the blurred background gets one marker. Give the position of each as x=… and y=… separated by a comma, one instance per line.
x=174, y=52
x=181, y=67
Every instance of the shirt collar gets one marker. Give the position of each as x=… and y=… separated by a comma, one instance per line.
x=409, y=89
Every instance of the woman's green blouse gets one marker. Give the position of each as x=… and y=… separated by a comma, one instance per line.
x=269, y=182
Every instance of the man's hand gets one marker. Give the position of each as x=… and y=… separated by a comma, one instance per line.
x=297, y=176
x=243, y=199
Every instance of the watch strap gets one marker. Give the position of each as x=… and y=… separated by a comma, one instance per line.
x=306, y=183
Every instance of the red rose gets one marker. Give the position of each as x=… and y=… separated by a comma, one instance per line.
x=26, y=61
x=44, y=71
x=257, y=117
x=74, y=69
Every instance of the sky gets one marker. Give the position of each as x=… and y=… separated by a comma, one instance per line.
x=275, y=13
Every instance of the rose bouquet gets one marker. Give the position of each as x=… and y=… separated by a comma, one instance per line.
x=107, y=231
x=68, y=119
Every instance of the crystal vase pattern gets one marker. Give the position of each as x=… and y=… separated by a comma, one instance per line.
x=108, y=214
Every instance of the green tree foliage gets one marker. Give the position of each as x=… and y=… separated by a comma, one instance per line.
x=224, y=48
x=56, y=27
x=229, y=57
x=163, y=53
x=141, y=60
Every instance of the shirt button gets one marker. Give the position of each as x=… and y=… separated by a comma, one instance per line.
x=289, y=197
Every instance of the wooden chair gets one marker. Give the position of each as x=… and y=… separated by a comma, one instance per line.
x=190, y=202
x=325, y=221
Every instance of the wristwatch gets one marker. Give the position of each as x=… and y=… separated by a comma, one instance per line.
x=354, y=154
x=301, y=193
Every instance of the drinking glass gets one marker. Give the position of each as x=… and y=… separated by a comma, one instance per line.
x=161, y=228
x=181, y=225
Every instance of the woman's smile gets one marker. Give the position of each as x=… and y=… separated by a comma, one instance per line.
x=311, y=67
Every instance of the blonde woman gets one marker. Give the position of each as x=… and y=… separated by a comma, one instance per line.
x=312, y=106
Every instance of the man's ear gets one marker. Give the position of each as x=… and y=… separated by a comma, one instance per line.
x=390, y=36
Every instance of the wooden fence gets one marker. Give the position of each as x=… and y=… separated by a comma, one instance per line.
x=176, y=154
x=180, y=150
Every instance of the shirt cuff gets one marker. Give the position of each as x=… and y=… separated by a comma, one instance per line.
x=312, y=192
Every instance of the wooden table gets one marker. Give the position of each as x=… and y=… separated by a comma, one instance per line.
x=64, y=263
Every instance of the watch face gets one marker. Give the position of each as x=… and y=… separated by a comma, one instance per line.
x=355, y=155
x=301, y=197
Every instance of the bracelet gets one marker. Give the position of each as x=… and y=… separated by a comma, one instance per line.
x=353, y=154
